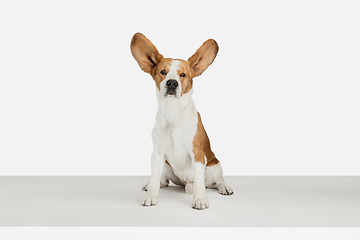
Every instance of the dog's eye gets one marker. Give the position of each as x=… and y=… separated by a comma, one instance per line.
x=183, y=75
x=163, y=72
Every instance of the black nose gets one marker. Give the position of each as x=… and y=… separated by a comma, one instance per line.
x=172, y=84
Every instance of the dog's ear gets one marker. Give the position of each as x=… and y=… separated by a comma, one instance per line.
x=203, y=57
x=144, y=52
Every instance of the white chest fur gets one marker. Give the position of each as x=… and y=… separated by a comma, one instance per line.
x=174, y=131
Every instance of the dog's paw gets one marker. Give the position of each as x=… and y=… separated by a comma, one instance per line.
x=225, y=190
x=189, y=188
x=149, y=201
x=200, y=203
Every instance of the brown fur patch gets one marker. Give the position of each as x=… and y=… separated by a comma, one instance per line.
x=164, y=64
x=187, y=81
x=201, y=146
x=144, y=52
x=203, y=57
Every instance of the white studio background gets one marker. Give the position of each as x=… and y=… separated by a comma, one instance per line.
x=282, y=97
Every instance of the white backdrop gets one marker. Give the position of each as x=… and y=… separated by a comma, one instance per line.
x=282, y=97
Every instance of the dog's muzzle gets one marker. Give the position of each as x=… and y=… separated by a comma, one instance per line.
x=171, y=86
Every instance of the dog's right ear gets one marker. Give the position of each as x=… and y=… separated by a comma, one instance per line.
x=144, y=52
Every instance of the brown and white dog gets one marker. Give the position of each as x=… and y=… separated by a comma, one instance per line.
x=181, y=151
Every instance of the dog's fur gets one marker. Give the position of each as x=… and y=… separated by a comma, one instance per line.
x=182, y=150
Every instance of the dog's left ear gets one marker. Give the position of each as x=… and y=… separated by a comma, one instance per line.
x=144, y=52
x=203, y=57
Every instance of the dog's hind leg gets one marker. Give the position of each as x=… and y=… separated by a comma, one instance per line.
x=214, y=179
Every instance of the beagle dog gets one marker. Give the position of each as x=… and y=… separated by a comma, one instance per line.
x=181, y=147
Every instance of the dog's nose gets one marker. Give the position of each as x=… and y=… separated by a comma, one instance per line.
x=172, y=84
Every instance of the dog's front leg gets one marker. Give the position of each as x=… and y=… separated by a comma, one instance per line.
x=200, y=200
x=157, y=166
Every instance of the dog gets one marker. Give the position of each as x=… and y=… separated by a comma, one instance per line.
x=181, y=148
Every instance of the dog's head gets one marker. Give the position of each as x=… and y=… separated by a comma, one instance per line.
x=173, y=77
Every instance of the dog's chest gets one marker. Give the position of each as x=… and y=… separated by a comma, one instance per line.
x=174, y=132
x=178, y=150
x=178, y=138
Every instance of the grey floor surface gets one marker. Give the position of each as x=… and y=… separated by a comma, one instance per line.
x=115, y=201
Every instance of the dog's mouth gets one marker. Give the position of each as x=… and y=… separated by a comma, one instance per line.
x=170, y=93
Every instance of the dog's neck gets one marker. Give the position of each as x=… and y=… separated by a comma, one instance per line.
x=174, y=110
